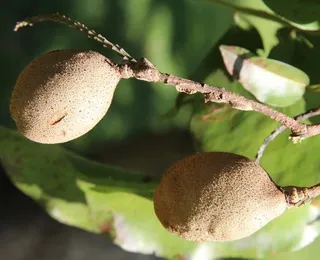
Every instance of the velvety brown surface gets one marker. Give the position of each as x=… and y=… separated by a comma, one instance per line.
x=217, y=196
x=62, y=95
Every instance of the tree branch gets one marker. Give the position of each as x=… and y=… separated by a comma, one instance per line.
x=310, y=113
x=145, y=70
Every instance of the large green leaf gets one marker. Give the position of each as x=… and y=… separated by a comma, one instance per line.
x=88, y=195
x=270, y=81
x=108, y=200
x=50, y=175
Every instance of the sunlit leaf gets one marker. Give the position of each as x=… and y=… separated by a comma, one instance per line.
x=270, y=81
x=89, y=195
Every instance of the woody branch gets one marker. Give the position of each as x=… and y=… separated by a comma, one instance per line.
x=145, y=70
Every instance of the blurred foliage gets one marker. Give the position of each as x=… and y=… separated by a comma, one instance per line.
x=180, y=37
x=272, y=82
x=297, y=11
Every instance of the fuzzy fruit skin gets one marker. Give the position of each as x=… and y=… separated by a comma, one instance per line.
x=217, y=196
x=62, y=95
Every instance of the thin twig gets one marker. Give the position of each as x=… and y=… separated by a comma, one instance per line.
x=266, y=15
x=145, y=70
x=58, y=18
x=310, y=113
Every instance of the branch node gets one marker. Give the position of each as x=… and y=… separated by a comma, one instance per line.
x=296, y=196
x=296, y=139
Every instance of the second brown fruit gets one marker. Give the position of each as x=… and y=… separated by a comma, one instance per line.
x=217, y=196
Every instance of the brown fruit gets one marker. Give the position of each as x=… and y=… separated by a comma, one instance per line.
x=62, y=95
x=217, y=196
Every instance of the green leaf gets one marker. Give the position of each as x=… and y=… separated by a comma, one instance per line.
x=255, y=14
x=301, y=12
x=117, y=203
x=50, y=175
x=309, y=252
x=258, y=15
x=270, y=81
x=89, y=195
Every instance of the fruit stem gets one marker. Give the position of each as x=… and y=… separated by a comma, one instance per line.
x=297, y=196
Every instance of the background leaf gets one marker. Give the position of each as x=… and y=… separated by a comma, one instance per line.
x=295, y=52
x=88, y=195
x=112, y=202
x=270, y=81
x=301, y=12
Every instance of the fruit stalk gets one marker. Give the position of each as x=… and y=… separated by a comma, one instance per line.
x=297, y=196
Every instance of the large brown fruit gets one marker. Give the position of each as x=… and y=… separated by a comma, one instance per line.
x=62, y=95
x=217, y=196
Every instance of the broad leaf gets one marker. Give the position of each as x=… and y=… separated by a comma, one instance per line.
x=107, y=200
x=270, y=81
x=89, y=195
